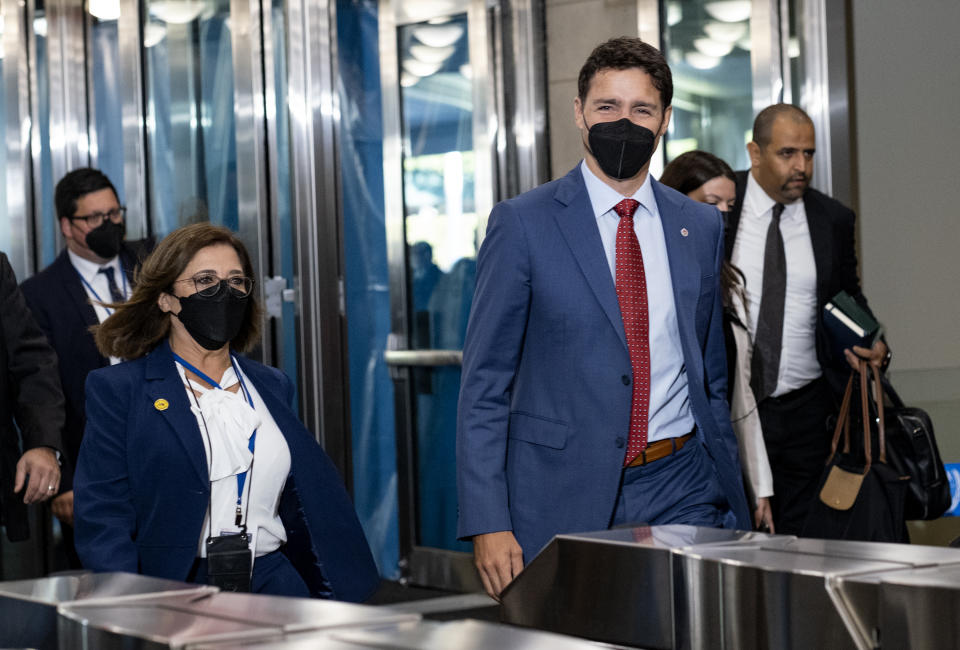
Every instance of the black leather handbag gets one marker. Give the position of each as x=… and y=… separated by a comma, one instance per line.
x=912, y=451
x=860, y=497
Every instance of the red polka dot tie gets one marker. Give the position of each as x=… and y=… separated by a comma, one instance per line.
x=632, y=294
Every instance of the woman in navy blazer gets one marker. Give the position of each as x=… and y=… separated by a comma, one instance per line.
x=143, y=486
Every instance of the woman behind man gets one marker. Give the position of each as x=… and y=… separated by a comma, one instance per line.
x=705, y=178
x=191, y=452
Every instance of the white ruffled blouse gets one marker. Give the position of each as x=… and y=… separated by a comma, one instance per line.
x=226, y=423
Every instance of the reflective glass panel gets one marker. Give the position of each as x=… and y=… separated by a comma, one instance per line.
x=190, y=113
x=288, y=331
x=366, y=280
x=106, y=102
x=47, y=225
x=707, y=45
x=441, y=235
x=795, y=62
x=8, y=243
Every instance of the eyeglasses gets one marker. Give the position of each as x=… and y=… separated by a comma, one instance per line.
x=95, y=219
x=208, y=284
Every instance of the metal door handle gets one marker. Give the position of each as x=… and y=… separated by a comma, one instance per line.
x=423, y=357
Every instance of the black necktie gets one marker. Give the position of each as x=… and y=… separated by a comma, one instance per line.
x=768, y=341
x=115, y=294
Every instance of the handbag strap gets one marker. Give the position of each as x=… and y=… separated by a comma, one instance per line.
x=843, y=418
x=881, y=429
x=842, y=422
x=865, y=408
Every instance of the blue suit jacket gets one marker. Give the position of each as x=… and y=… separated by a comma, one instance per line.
x=141, y=489
x=544, y=411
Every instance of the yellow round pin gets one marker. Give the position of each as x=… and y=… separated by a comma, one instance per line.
x=161, y=404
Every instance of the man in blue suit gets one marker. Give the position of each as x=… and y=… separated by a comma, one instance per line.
x=594, y=376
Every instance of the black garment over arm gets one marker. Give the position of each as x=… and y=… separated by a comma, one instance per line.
x=30, y=394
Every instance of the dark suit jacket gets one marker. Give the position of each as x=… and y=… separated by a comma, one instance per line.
x=29, y=393
x=545, y=398
x=142, y=486
x=59, y=302
x=832, y=233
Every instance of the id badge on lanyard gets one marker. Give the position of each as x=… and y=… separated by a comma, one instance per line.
x=229, y=557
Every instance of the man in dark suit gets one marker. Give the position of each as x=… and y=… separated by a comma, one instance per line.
x=95, y=267
x=594, y=370
x=796, y=249
x=30, y=396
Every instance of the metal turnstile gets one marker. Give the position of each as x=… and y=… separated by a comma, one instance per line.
x=422, y=635
x=28, y=608
x=582, y=584
x=692, y=588
x=187, y=621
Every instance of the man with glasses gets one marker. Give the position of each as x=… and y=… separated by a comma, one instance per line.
x=69, y=296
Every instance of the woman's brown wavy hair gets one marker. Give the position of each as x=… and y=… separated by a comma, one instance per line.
x=138, y=325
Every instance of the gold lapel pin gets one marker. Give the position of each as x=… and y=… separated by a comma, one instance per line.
x=161, y=404
x=684, y=232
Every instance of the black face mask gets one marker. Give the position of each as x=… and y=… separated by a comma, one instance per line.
x=213, y=321
x=621, y=148
x=105, y=239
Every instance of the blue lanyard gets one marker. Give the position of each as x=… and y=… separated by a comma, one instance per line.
x=241, y=478
x=97, y=295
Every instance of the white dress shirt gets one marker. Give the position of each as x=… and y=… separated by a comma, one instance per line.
x=669, y=413
x=97, y=287
x=226, y=423
x=798, y=355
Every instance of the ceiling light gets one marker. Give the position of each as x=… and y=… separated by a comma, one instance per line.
x=702, y=61
x=674, y=13
x=729, y=11
x=104, y=10
x=725, y=32
x=407, y=80
x=711, y=47
x=745, y=43
x=418, y=11
x=40, y=26
x=419, y=68
x=793, y=47
x=153, y=33
x=177, y=12
x=466, y=71
x=429, y=54
x=438, y=35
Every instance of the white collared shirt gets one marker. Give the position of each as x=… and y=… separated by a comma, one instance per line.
x=226, y=434
x=669, y=411
x=96, y=286
x=798, y=355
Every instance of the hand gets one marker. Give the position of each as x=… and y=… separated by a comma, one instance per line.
x=763, y=515
x=499, y=559
x=62, y=507
x=41, y=465
x=874, y=355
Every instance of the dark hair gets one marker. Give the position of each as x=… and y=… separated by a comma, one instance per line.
x=763, y=122
x=687, y=172
x=138, y=325
x=690, y=170
x=624, y=53
x=78, y=184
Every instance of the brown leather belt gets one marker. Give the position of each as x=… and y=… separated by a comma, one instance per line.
x=661, y=449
